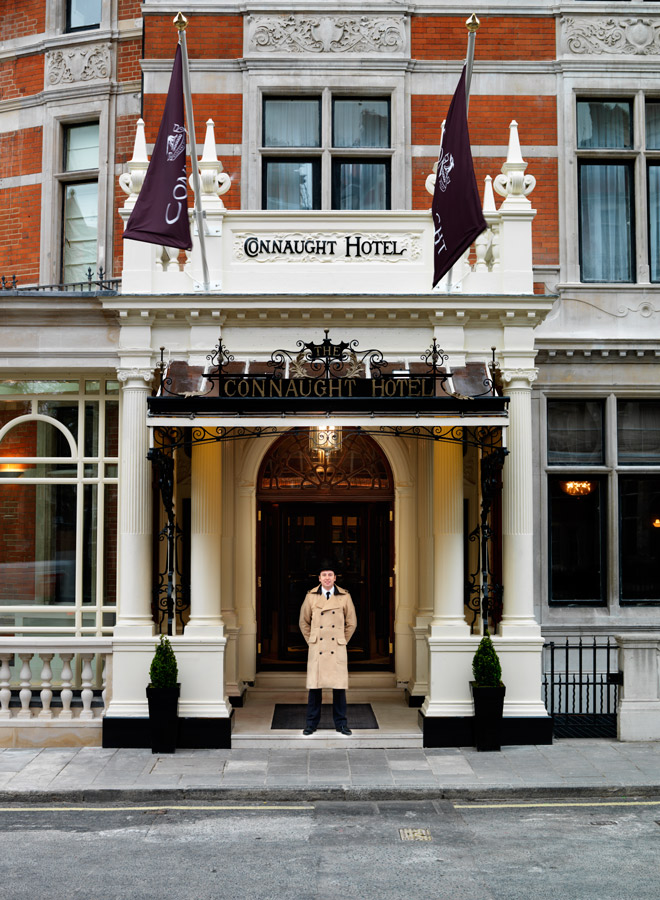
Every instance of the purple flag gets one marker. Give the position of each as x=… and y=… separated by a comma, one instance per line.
x=457, y=215
x=160, y=214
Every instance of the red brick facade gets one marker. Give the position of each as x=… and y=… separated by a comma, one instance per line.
x=19, y=232
x=207, y=37
x=499, y=37
x=24, y=18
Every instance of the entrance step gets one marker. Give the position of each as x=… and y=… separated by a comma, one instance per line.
x=289, y=687
x=324, y=740
x=398, y=724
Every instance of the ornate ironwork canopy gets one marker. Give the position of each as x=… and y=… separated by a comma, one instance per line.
x=325, y=378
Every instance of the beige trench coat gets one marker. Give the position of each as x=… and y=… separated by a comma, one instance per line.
x=327, y=626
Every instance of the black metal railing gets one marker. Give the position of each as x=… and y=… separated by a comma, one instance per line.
x=91, y=284
x=581, y=686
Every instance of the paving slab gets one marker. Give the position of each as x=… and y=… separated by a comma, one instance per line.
x=587, y=768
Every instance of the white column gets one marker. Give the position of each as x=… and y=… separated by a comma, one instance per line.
x=134, y=618
x=517, y=510
x=205, y=542
x=450, y=644
x=448, y=569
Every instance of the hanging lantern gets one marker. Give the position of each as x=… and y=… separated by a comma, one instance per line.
x=656, y=522
x=577, y=488
x=325, y=439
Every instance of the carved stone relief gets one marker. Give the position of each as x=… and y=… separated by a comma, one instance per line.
x=91, y=62
x=630, y=36
x=299, y=34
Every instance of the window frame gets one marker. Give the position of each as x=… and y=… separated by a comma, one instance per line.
x=638, y=157
x=610, y=472
x=69, y=29
x=326, y=152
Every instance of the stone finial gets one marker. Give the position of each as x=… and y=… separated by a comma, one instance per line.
x=489, y=197
x=214, y=180
x=513, y=184
x=131, y=181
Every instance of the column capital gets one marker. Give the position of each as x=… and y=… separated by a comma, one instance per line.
x=135, y=377
x=519, y=378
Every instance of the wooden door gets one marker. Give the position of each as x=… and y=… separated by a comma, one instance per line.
x=294, y=539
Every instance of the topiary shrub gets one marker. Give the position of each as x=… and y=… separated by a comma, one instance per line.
x=163, y=672
x=486, y=666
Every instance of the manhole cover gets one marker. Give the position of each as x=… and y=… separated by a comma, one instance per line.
x=415, y=834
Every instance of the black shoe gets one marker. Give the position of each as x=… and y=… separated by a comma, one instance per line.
x=308, y=730
x=344, y=729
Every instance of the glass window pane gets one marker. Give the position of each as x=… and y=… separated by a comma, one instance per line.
x=80, y=230
x=604, y=124
x=292, y=122
x=83, y=14
x=606, y=234
x=90, y=525
x=112, y=387
x=638, y=432
x=81, y=147
x=292, y=184
x=39, y=387
x=577, y=565
x=360, y=185
x=575, y=432
x=112, y=428
x=361, y=123
x=35, y=439
x=110, y=493
x=639, y=508
x=654, y=220
x=92, y=387
x=653, y=124
x=91, y=429
x=38, y=549
x=65, y=411
x=12, y=409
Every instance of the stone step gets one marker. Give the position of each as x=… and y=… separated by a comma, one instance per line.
x=327, y=740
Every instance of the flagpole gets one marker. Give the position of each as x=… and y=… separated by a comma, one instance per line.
x=181, y=23
x=472, y=25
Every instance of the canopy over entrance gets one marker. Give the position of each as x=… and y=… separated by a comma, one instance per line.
x=334, y=381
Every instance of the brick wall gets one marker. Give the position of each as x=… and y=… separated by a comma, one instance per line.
x=21, y=77
x=20, y=152
x=226, y=110
x=129, y=9
x=489, y=118
x=23, y=18
x=129, y=54
x=207, y=37
x=500, y=37
x=19, y=232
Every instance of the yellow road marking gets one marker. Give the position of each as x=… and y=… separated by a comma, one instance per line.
x=148, y=808
x=556, y=803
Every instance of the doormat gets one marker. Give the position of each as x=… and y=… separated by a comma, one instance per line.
x=293, y=716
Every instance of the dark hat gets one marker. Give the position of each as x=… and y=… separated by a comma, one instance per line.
x=327, y=564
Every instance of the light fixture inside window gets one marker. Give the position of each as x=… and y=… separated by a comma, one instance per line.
x=11, y=470
x=325, y=439
x=656, y=522
x=577, y=488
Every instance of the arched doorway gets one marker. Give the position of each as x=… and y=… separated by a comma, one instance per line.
x=313, y=503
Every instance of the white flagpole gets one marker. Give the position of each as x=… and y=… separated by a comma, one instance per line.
x=181, y=24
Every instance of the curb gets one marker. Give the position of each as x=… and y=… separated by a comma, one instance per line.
x=320, y=794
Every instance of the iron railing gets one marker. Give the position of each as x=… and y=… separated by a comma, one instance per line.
x=581, y=686
x=91, y=284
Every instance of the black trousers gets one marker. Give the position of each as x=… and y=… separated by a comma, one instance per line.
x=314, y=700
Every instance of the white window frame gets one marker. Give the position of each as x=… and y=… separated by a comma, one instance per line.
x=326, y=88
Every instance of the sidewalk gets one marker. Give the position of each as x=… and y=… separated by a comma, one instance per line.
x=579, y=768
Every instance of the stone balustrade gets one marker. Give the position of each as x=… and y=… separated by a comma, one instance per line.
x=27, y=667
